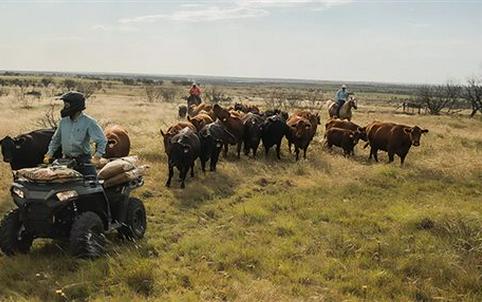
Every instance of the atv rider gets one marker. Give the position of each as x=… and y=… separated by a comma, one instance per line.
x=341, y=97
x=75, y=132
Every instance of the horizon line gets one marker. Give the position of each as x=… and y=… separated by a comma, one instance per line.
x=207, y=76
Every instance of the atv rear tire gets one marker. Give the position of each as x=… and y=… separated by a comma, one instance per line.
x=12, y=240
x=136, y=222
x=87, y=238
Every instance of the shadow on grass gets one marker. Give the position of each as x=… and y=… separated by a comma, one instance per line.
x=203, y=187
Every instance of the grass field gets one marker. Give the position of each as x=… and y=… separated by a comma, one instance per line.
x=328, y=228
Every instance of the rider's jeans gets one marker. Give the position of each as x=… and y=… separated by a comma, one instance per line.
x=340, y=104
x=85, y=167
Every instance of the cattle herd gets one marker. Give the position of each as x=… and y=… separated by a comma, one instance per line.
x=210, y=129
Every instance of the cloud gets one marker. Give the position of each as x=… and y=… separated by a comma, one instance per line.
x=241, y=9
x=292, y=3
x=117, y=27
x=211, y=13
x=191, y=5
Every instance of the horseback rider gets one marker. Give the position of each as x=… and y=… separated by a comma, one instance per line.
x=341, y=97
x=195, y=92
x=75, y=132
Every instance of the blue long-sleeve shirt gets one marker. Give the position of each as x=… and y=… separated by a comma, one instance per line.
x=75, y=136
x=341, y=95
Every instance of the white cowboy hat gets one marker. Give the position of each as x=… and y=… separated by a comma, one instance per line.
x=343, y=86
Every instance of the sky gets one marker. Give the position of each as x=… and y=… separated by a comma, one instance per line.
x=340, y=40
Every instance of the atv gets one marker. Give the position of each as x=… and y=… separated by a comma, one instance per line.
x=80, y=211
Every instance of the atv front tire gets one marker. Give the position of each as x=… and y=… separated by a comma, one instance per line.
x=12, y=239
x=136, y=222
x=87, y=238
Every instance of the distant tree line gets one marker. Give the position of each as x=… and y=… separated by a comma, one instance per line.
x=142, y=81
x=32, y=86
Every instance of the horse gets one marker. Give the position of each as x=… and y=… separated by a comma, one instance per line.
x=345, y=111
x=193, y=100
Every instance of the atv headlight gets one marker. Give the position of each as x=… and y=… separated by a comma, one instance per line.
x=66, y=195
x=18, y=192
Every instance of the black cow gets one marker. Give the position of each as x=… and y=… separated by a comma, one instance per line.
x=274, y=128
x=185, y=149
x=272, y=112
x=213, y=136
x=27, y=150
x=252, y=132
x=182, y=111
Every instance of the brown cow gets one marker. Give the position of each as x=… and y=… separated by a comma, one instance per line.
x=237, y=113
x=393, y=138
x=118, y=142
x=372, y=128
x=314, y=119
x=194, y=110
x=233, y=123
x=337, y=123
x=200, y=120
x=246, y=108
x=300, y=134
x=343, y=138
x=173, y=130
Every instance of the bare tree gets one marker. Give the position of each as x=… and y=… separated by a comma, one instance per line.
x=277, y=100
x=3, y=91
x=473, y=94
x=46, y=82
x=34, y=94
x=292, y=101
x=22, y=98
x=49, y=118
x=69, y=84
x=216, y=95
x=87, y=88
x=316, y=99
x=168, y=94
x=295, y=98
x=452, y=93
x=153, y=94
x=439, y=97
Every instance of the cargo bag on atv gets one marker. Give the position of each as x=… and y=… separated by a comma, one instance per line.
x=121, y=171
x=52, y=174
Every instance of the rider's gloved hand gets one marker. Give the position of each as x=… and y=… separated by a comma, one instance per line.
x=47, y=159
x=95, y=160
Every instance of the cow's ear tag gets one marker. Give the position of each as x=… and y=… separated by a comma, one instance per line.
x=186, y=150
x=218, y=145
x=17, y=147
